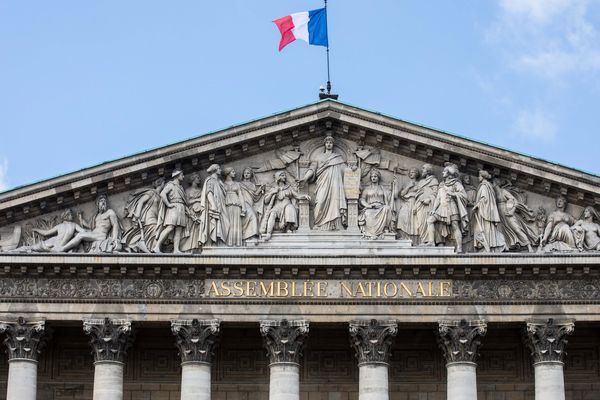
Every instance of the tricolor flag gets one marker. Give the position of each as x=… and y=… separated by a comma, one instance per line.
x=310, y=26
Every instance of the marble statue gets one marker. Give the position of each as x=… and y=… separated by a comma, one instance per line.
x=486, y=218
x=406, y=218
x=468, y=245
x=104, y=231
x=376, y=215
x=193, y=195
x=253, y=204
x=56, y=237
x=515, y=217
x=142, y=209
x=234, y=208
x=426, y=192
x=281, y=207
x=330, y=208
x=172, y=213
x=558, y=235
x=213, y=220
x=587, y=230
x=449, y=215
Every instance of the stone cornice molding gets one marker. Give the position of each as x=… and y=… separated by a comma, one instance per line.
x=284, y=339
x=24, y=340
x=547, y=339
x=196, y=339
x=460, y=340
x=110, y=339
x=372, y=340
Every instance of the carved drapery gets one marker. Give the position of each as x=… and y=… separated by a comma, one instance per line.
x=284, y=339
x=24, y=340
x=372, y=340
x=460, y=340
x=547, y=340
x=196, y=339
x=110, y=339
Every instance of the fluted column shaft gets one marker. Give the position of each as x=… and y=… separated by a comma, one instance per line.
x=110, y=340
x=547, y=342
x=371, y=341
x=24, y=342
x=196, y=341
x=460, y=342
x=284, y=340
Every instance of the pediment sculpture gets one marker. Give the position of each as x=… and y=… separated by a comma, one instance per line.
x=324, y=185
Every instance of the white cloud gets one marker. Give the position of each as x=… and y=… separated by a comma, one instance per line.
x=551, y=39
x=3, y=174
x=536, y=124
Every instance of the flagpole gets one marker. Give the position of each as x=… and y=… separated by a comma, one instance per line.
x=328, y=74
x=328, y=95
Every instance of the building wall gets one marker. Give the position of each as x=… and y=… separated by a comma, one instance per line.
x=329, y=371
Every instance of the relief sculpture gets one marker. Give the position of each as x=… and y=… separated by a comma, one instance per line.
x=337, y=189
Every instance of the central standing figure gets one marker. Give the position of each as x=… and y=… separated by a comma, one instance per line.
x=330, y=199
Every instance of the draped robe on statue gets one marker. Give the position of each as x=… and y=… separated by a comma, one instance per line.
x=213, y=221
x=486, y=227
x=330, y=197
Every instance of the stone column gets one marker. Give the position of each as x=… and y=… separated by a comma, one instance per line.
x=460, y=342
x=284, y=340
x=196, y=341
x=547, y=341
x=110, y=340
x=371, y=341
x=24, y=342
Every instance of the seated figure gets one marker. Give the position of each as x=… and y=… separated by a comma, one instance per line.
x=376, y=215
x=558, y=235
x=103, y=233
x=587, y=230
x=281, y=207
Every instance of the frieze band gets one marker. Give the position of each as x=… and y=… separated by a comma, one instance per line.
x=507, y=291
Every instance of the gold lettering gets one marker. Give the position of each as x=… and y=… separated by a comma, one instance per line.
x=346, y=289
x=378, y=288
x=282, y=289
x=444, y=289
x=294, y=294
x=360, y=289
x=431, y=289
x=264, y=291
x=213, y=288
x=225, y=288
x=385, y=289
x=370, y=287
x=238, y=289
x=321, y=289
x=421, y=289
x=308, y=289
x=251, y=288
x=406, y=289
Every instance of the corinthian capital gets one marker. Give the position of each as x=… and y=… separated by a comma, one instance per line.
x=372, y=340
x=547, y=340
x=460, y=340
x=24, y=340
x=110, y=339
x=196, y=339
x=284, y=339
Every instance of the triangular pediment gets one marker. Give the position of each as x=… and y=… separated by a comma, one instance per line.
x=365, y=138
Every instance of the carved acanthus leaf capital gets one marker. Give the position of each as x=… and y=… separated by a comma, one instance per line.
x=24, y=340
x=110, y=339
x=284, y=339
x=547, y=340
x=372, y=340
x=460, y=340
x=196, y=339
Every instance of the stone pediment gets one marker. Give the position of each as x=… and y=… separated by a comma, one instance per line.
x=292, y=141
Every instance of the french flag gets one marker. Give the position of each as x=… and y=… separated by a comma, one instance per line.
x=310, y=26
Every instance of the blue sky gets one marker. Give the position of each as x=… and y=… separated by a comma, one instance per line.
x=82, y=82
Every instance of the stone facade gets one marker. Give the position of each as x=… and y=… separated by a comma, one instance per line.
x=323, y=253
